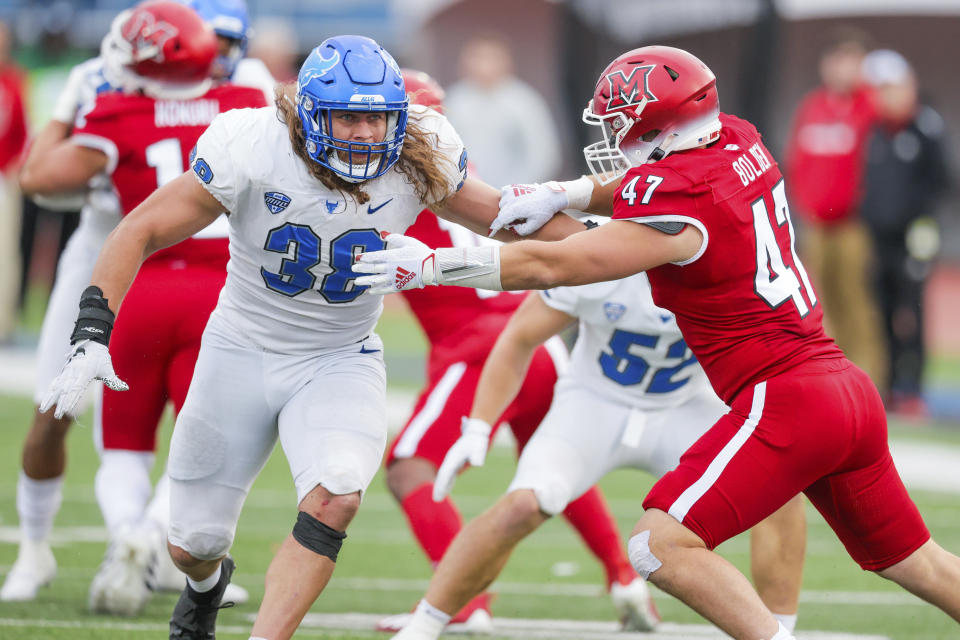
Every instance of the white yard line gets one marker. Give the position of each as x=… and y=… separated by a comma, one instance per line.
x=318, y=625
x=568, y=589
x=568, y=629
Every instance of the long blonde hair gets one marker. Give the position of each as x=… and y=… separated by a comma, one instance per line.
x=419, y=161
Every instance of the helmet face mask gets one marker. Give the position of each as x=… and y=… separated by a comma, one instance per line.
x=160, y=48
x=351, y=73
x=650, y=102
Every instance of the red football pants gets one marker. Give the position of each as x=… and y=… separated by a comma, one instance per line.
x=819, y=428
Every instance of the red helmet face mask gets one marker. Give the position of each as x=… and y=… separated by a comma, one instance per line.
x=650, y=102
x=423, y=89
x=162, y=48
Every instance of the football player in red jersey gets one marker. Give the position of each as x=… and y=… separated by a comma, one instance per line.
x=700, y=205
x=462, y=325
x=160, y=53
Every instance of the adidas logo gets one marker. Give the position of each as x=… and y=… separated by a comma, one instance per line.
x=522, y=189
x=403, y=277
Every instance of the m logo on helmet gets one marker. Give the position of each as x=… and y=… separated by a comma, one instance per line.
x=628, y=90
x=147, y=36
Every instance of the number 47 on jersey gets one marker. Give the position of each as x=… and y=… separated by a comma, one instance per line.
x=774, y=282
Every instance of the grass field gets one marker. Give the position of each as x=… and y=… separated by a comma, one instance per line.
x=381, y=571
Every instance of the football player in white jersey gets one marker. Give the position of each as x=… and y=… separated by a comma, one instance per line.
x=44, y=451
x=633, y=396
x=290, y=351
x=39, y=487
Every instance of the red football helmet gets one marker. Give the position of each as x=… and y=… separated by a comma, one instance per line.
x=162, y=48
x=422, y=89
x=651, y=101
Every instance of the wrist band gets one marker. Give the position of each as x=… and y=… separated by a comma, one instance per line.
x=477, y=267
x=579, y=192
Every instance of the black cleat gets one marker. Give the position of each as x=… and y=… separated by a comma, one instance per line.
x=195, y=616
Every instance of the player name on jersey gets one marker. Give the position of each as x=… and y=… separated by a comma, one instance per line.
x=185, y=113
x=749, y=170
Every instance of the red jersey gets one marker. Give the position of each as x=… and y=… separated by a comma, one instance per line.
x=13, y=119
x=456, y=314
x=148, y=141
x=744, y=303
x=826, y=153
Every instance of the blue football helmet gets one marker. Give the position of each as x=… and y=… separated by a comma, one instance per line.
x=229, y=18
x=357, y=74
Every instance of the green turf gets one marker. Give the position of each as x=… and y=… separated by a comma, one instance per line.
x=380, y=547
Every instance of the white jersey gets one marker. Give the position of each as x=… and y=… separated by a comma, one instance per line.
x=628, y=349
x=251, y=72
x=290, y=284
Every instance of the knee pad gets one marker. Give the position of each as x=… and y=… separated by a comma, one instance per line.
x=318, y=537
x=553, y=497
x=206, y=543
x=641, y=557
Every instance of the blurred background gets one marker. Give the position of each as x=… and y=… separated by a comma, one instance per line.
x=857, y=100
x=518, y=74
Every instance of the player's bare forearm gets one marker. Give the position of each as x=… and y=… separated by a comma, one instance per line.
x=119, y=260
x=54, y=164
x=503, y=374
x=169, y=215
x=501, y=379
x=616, y=250
x=601, y=200
x=560, y=226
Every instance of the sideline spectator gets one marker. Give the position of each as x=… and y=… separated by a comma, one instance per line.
x=825, y=165
x=13, y=138
x=275, y=43
x=505, y=124
x=905, y=172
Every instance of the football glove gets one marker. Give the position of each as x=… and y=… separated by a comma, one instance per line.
x=470, y=447
x=407, y=263
x=88, y=361
x=527, y=207
x=89, y=357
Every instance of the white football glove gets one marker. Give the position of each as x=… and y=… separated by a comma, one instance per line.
x=527, y=207
x=406, y=263
x=88, y=361
x=470, y=447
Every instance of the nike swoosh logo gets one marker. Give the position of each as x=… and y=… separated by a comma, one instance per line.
x=363, y=349
x=372, y=209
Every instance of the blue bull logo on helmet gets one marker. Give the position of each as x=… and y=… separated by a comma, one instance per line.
x=276, y=201
x=320, y=68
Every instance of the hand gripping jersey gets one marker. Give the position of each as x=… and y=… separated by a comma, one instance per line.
x=744, y=303
x=290, y=284
x=454, y=318
x=627, y=350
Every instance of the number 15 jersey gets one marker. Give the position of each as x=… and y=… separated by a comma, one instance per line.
x=744, y=302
